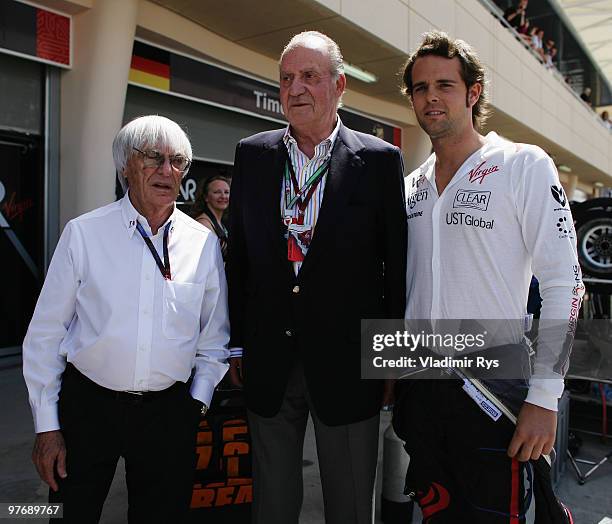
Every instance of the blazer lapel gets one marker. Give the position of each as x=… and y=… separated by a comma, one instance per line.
x=344, y=170
x=273, y=161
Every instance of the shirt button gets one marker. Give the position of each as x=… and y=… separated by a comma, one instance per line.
x=289, y=333
x=147, y=277
x=142, y=348
x=296, y=289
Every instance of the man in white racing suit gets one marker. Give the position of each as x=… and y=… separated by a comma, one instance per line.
x=484, y=214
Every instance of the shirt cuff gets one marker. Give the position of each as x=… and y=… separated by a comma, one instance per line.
x=545, y=392
x=46, y=418
x=202, y=389
x=235, y=352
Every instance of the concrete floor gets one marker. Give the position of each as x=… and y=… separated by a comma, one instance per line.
x=590, y=503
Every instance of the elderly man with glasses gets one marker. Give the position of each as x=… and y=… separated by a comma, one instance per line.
x=128, y=339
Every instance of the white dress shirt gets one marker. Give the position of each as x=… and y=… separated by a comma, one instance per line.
x=106, y=308
x=472, y=249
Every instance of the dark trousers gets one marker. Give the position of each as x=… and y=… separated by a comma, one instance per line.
x=459, y=470
x=347, y=462
x=156, y=435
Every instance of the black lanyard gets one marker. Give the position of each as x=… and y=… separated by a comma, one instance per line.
x=165, y=267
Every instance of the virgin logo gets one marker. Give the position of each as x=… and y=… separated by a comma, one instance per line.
x=478, y=174
x=16, y=209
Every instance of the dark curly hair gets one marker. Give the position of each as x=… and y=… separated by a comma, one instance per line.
x=439, y=43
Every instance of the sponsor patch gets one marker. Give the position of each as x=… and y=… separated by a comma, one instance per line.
x=559, y=195
x=479, y=173
x=415, y=214
x=483, y=403
x=472, y=199
x=565, y=227
x=414, y=198
x=573, y=316
x=417, y=182
x=458, y=218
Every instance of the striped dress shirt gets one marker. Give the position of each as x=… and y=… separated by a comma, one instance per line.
x=304, y=167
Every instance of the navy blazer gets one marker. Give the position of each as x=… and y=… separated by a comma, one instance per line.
x=355, y=268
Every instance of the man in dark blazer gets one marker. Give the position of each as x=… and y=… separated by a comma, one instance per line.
x=317, y=242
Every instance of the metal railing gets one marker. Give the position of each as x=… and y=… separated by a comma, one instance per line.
x=497, y=13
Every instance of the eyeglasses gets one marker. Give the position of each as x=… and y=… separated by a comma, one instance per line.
x=152, y=158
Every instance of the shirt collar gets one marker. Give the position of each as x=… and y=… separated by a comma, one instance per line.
x=131, y=216
x=323, y=148
x=492, y=142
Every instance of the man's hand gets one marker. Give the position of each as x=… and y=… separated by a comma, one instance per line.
x=535, y=433
x=235, y=371
x=50, y=452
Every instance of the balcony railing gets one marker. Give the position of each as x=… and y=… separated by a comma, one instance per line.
x=499, y=15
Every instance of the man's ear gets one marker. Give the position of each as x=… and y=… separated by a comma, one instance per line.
x=473, y=94
x=340, y=84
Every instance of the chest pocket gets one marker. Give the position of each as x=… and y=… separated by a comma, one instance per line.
x=182, y=303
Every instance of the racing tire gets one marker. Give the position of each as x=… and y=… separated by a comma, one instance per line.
x=594, y=243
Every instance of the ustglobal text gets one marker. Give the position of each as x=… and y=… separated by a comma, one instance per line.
x=431, y=362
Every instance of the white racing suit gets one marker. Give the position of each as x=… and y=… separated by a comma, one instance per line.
x=471, y=254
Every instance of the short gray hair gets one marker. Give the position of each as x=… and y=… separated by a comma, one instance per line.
x=148, y=131
x=333, y=50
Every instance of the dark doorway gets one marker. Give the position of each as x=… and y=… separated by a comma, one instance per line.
x=21, y=235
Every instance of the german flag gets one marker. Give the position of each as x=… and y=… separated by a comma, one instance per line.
x=150, y=66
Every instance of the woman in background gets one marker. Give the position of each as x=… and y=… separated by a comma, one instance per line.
x=210, y=203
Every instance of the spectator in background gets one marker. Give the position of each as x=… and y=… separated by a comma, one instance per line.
x=549, y=57
x=210, y=203
x=515, y=16
x=606, y=119
x=537, y=42
x=525, y=32
x=586, y=96
x=532, y=35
